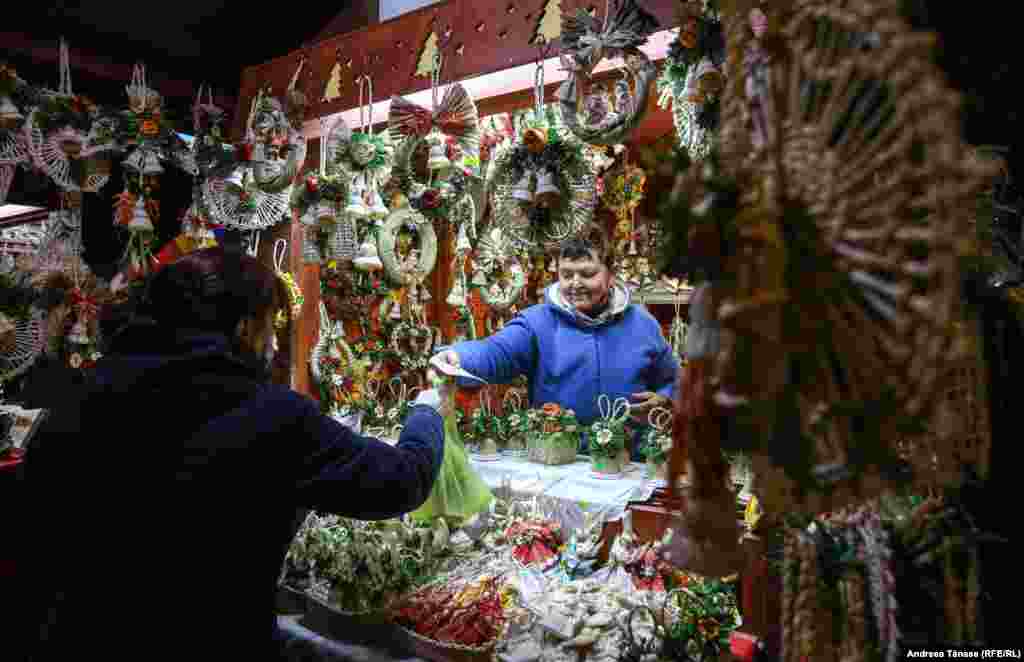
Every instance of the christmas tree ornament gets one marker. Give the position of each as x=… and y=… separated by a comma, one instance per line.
x=549, y=27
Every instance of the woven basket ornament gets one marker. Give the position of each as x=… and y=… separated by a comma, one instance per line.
x=840, y=315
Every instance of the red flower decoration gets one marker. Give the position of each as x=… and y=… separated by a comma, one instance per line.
x=312, y=184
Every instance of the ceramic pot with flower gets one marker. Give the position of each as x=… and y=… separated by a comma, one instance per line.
x=558, y=437
x=608, y=452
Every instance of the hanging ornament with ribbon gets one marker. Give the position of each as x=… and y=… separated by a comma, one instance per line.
x=454, y=116
x=65, y=139
x=135, y=210
x=295, y=298
x=363, y=155
x=210, y=149
x=451, y=133
x=542, y=184
x=586, y=43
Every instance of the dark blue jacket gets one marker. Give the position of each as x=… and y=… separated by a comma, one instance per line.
x=163, y=499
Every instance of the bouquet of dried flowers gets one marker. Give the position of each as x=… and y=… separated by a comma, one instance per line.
x=558, y=437
x=357, y=566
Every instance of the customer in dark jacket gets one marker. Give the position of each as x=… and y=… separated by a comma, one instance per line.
x=164, y=496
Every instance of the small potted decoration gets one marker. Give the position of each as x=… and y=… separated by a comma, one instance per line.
x=535, y=543
x=608, y=451
x=558, y=439
x=517, y=424
x=658, y=442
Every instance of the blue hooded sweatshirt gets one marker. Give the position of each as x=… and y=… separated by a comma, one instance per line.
x=572, y=359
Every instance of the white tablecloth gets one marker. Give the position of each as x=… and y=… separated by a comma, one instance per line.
x=568, y=491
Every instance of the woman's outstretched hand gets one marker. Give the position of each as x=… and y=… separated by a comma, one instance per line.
x=642, y=404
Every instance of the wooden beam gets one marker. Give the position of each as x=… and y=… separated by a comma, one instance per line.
x=356, y=16
x=492, y=38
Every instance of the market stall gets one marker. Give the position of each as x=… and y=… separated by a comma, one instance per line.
x=415, y=185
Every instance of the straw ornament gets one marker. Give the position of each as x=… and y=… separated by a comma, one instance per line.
x=295, y=298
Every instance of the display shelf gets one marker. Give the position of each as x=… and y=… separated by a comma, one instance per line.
x=663, y=297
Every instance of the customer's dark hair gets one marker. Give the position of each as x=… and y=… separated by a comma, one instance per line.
x=212, y=290
x=580, y=247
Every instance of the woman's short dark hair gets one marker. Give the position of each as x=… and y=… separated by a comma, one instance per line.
x=212, y=290
x=581, y=246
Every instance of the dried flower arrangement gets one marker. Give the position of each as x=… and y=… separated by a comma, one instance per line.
x=357, y=566
x=556, y=437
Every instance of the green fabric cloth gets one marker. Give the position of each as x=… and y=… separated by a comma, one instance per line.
x=459, y=492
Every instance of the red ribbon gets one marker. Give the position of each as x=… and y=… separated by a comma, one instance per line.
x=85, y=304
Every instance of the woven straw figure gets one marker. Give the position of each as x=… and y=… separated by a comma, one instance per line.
x=839, y=315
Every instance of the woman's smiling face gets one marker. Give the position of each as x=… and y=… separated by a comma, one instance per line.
x=584, y=282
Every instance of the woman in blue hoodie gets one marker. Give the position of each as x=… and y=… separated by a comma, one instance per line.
x=585, y=340
x=164, y=496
